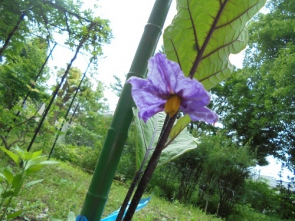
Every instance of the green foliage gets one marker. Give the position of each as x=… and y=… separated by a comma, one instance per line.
x=127, y=168
x=271, y=32
x=261, y=197
x=84, y=157
x=204, y=33
x=80, y=136
x=149, y=133
x=217, y=169
x=54, y=198
x=256, y=104
x=48, y=19
x=246, y=213
x=13, y=182
x=117, y=86
x=23, y=54
x=224, y=171
x=285, y=199
x=19, y=71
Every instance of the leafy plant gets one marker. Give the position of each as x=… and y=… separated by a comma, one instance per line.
x=81, y=156
x=179, y=141
x=13, y=182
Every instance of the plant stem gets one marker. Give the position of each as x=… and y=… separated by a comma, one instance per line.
x=5, y=209
x=150, y=168
x=2, y=200
x=137, y=175
x=128, y=195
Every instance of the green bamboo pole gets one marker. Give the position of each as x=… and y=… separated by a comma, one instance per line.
x=104, y=173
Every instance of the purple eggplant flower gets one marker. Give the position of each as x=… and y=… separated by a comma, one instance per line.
x=167, y=89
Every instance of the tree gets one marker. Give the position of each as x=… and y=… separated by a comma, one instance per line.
x=225, y=169
x=18, y=81
x=18, y=72
x=88, y=124
x=48, y=18
x=117, y=86
x=67, y=91
x=257, y=104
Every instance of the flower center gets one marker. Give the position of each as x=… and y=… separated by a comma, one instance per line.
x=172, y=105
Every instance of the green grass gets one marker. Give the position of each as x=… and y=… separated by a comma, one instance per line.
x=64, y=189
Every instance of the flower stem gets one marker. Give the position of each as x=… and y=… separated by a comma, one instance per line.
x=139, y=172
x=152, y=164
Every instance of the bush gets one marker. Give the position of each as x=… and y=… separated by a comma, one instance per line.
x=162, y=186
x=82, y=156
x=246, y=213
x=80, y=136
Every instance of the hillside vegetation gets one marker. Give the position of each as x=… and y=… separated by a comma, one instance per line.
x=64, y=189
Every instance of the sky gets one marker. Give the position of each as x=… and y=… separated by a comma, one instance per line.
x=127, y=21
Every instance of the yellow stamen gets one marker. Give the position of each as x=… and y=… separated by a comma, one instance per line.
x=172, y=105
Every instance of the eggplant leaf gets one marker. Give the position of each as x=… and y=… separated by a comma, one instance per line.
x=145, y=134
x=174, y=147
x=205, y=32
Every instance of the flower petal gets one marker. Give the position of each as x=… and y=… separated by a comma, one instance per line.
x=146, y=98
x=202, y=114
x=192, y=90
x=163, y=74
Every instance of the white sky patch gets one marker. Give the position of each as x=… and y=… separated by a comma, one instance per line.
x=273, y=169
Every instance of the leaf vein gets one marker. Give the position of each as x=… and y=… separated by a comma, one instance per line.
x=193, y=26
x=200, y=54
x=234, y=19
x=222, y=46
x=211, y=75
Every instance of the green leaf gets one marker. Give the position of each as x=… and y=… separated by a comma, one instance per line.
x=31, y=183
x=174, y=147
x=7, y=194
x=182, y=144
x=17, y=180
x=12, y=155
x=2, y=177
x=33, y=169
x=14, y=215
x=8, y=175
x=23, y=154
x=178, y=127
x=146, y=134
x=205, y=32
x=37, y=160
x=17, y=184
x=36, y=154
x=48, y=162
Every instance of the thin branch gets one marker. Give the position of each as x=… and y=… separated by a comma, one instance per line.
x=83, y=40
x=69, y=108
x=21, y=18
x=4, y=141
